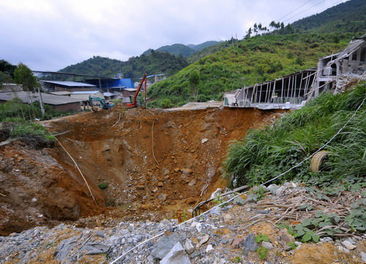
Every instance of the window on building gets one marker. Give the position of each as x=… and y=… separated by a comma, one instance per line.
x=363, y=54
x=354, y=56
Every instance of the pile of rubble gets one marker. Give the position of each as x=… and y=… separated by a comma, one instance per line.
x=246, y=230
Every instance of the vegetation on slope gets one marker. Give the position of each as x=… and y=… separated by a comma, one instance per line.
x=16, y=119
x=264, y=154
x=232, y=64
x=210, y=50
x=135, y=67
x=243, y=63
x=346, y=17
x=204, y=45
x=6, y=72
x=174, y=49
x=182, y=50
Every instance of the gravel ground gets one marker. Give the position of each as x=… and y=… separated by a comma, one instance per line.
x=227, y=235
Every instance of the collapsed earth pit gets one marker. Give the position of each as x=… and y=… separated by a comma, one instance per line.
x=140, y=164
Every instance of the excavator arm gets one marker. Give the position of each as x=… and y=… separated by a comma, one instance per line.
x=134, y=103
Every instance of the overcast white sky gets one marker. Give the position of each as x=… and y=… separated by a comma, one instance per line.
x=52, y=34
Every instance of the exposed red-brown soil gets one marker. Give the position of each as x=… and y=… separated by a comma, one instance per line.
x=35, y=189
x=156, y=164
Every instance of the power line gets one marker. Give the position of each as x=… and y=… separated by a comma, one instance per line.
x=315, y=4
x=292, y=14
x=295, y=10
x=121, y=257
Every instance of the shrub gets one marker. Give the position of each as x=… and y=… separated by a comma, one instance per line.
x=103, y=186
x=166, y=103
x=264, y=154
x=28, y=129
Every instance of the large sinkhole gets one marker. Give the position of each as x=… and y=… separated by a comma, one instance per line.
x=139, y=164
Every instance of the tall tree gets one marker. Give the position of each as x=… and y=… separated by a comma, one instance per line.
x=24, y=76
x=6, y=67
x=248, y=34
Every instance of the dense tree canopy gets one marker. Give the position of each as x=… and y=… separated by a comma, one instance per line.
x=24, y=76
x=135, y=67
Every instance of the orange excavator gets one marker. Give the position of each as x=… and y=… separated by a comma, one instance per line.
x=141, y=84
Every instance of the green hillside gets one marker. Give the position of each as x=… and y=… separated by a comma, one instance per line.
x=232, y=64
x=135, y=67
x=243, y=63
x=182, y=50
x=264, y=154
x=203, y=45
x=346, y=17
x=210, y=50
x=177, y=50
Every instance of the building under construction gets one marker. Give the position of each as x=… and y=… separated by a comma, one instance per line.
x=333, y=73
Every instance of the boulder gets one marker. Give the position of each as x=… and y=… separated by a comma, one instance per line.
x=164, y=245
x=250, y=244
x=176, y=255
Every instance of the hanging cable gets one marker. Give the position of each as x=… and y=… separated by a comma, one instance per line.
x=228, y=201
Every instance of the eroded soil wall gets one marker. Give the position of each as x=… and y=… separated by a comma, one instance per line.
x=156, y=164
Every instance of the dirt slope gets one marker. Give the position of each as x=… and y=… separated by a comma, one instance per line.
x=35, y=190
x=154, y=160
x=156, y=164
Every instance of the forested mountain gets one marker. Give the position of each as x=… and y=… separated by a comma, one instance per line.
x=155, y=62
x=184, y=50
x=167, y=59
x=233, y=64
x=245, y=62
x=177, y=50
x=346, y=17
x=228, y=65
x=203, y=45
x=210, y=49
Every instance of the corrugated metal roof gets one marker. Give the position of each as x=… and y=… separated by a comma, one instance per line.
x=28, y=97
x=70, y=84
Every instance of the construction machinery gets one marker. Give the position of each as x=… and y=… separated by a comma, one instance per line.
x=141, y=84
x=97, y=101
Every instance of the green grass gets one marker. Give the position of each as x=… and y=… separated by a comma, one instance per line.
x=28, y=129
x=262, y=252
x=19, y=118
x=263, y=154
x=246, y=62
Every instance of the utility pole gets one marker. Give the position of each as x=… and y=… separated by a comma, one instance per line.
x=41, y=100
x=145, y=93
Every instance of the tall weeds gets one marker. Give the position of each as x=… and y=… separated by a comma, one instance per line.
x=265, y=153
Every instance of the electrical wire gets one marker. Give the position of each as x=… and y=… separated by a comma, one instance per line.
x=315, y=4
x=295, y=10
x=226, y=202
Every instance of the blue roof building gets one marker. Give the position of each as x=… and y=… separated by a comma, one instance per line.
x=112, y=83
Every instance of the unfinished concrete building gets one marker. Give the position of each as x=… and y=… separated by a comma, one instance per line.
x=288, y=92
x=333, y=73
x=336, y=71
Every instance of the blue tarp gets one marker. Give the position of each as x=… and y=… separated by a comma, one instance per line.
x=113, y=83
x=126, y=82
